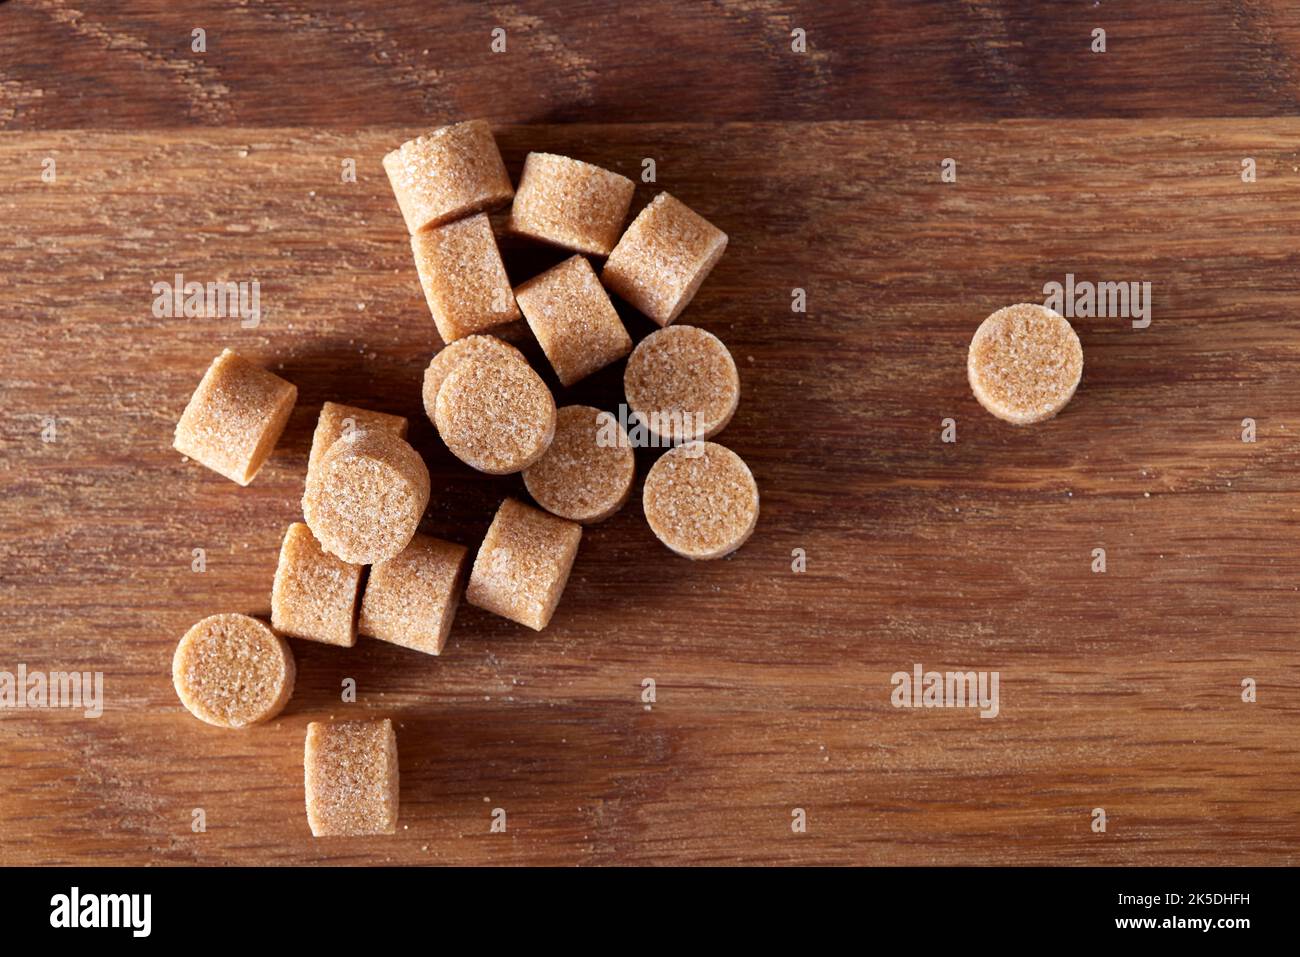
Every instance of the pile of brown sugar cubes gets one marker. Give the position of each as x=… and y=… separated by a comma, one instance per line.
x=357, y=564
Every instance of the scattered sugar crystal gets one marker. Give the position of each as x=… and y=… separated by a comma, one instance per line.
x=314, y=595
x=232, y=671
x=570, y=204
x=464, y=280
x=523, y=564
x=573, y=319
x=411, y=599
x=1024, y=363
x=586, y=475
x=351, y=778
x=452, y=172
x=701, y=500
x=682, y=383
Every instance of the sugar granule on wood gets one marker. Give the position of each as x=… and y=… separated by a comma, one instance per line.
x=233, y=671
x=367, y=496
x=682, y=383
x=314, y=593
x=495, y=414
x=586, y=475
x=351, y=778
x=1024, y=363
x=571, y=315
x=452, y=172
x=662, y=259
x=701, y=500
x=474, y=348
x=410, y=600
x=570, y=204
x=464, y=281
x=235, y=417
x=336, y=419
x=523, y=564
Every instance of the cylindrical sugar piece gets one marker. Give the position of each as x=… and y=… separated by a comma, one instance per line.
x=351, y=778
x=701, y=500
x=233, y=671
x=523, y=564
x=451, y=355
x=337, y=419
x=586, y=475
x=464, y=280
x=682, y=384
x=449, y=173
x=572, y=317
x=314, y=595
x=660, y=262
x=366, y=497
x=495, y=414
x=1024, y=363
x=235, y=417
x=570, y=203
x=411, y=599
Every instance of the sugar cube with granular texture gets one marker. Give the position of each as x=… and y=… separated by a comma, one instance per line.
x=495, y=413
x=682, y=383
x=351, y=778
x=660, y=262
x=464, y=280
x=1024, y=363
x=337, y=419
x=314, y=594
x=570, y=204
x=523, y=564
x=411, y=599
x=447, y=174
x=367, y=496
x=233, y=671
x=701, y=500
x=573, y=319
x=447, y=358
x=586, y=475
x=235, y=417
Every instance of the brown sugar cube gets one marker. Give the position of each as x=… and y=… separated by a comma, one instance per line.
x=235, y=417
x=573, y=319
x=495, y=414
x=449, y=173
x=233, y=671
x=411, y=599
x=367, y=496
x=473, y=348
x=682, y=384
x=351, y=778
x=336, y=419
x=586, y=475
x=314, y=595
x=663, y=257
x=1024, y=363
x=523, y=564
x=701, y=500
x=570, y=204
x=464, y=280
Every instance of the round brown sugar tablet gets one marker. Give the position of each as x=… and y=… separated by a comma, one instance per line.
x=682, y=383
x=233, y=671
x=1024, y=363
x=366, y=497
x=701, y=500
x=586, y=475
x=474, y=348
x=495, y=414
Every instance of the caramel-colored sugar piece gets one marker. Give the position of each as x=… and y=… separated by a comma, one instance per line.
x=523, y=564
x=314, y=595
x=351, y=778
x=572, y=317
x=1024, y=363
x=586, y=475
x=235, y=417
x=570, y=204
x=682, y=384
x=663, y=258
x=366, y=497
x=701, y=500
x=495, y=414
x=464, y=280
x=411, y=599
x=447, y=174
x=475, y=348
x=233, y=671
x=337, y=419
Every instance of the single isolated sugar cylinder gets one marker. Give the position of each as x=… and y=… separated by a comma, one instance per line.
x=233, y=671
x=314, y=595
x=367, y=496
x=235, y=417
x=411, y=599
x=464, y=280
x=570, y=204
x=523, y=564
x=701, y=500
x=337, y=419
x=351, y=778
x=450, y=356
x=447, y=174
x=682, y=384
x=1024, y=363
x=586, y=475
x=495, y=413
x=660, y=262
